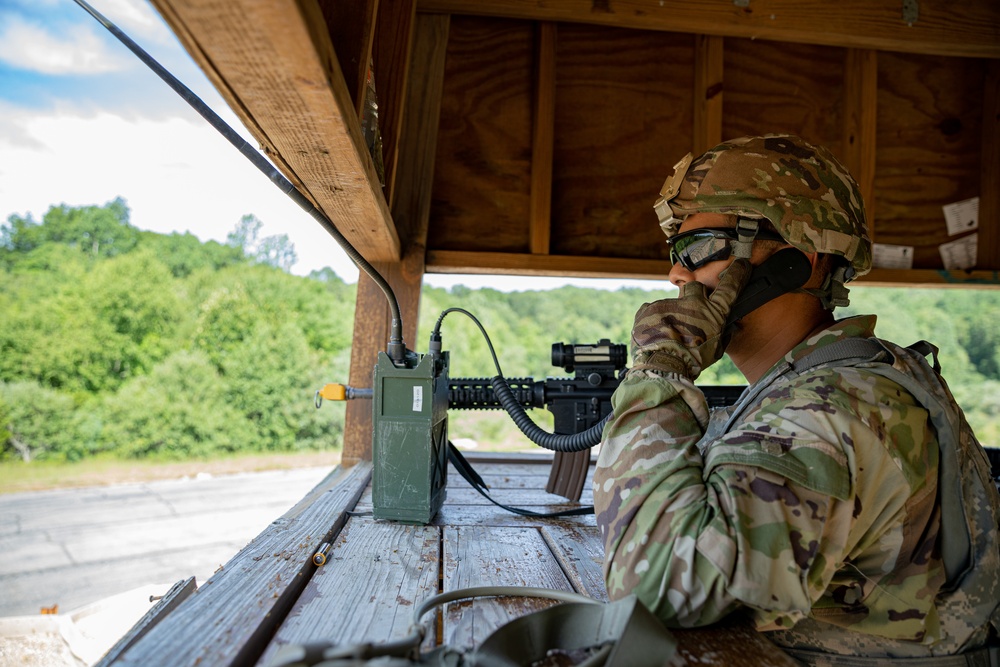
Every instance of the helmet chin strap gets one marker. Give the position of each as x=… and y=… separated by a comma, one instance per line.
x=833, y=293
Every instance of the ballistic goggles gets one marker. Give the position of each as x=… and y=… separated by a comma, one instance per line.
x=698, y=247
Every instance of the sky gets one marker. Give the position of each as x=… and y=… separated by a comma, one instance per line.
x=83, y=121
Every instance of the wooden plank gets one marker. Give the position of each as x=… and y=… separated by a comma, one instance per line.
x=534, y=499
x=490, y=556
x=623, y=118
x=543, y=138
x=352, y=30
x=731, y=643
x=375, y=575
x=229, y=620
x=942, y=28
x=391, y=56
x=708, y=92
x=482, y=175
x=775, y=87
x=275, y=66
x=177, y=594
x=411, y=211
x=860, y=119
x=509, y=263
x=989, y=193
x=930, y=117
x=581, y=555
x=931, y=278
x=490, y=515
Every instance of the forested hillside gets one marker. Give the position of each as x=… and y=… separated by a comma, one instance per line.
x=134, y=344
x=124, y=343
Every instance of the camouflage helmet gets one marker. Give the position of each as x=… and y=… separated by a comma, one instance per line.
x=806, y=194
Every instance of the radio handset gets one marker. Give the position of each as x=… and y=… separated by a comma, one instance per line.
x=782, y=272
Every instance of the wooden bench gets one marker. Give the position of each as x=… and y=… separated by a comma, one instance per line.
x=271, y=594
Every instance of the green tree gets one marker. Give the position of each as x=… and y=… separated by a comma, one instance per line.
x=38, y=423
x=89, y=332
x=180, y=410
x=184, y=253
x=97, y=231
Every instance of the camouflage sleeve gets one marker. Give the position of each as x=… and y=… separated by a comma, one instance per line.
x=762, y=519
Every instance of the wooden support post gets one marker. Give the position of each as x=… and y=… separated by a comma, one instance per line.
x=708, y=89
x=543, y=138
x=418, y=140
x=989, y=196
x=860, y=123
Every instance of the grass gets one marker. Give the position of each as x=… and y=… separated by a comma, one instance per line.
x=479, y=430
x=18, y=477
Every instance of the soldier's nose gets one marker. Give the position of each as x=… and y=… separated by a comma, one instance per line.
x=679, y=275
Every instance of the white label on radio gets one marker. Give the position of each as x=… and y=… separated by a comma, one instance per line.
x=418, y=398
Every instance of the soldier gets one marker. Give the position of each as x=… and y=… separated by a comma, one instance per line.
x=843, y=502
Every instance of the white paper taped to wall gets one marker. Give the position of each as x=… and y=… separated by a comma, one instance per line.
x=962, y=216
x=889, y=256
x=960, y=253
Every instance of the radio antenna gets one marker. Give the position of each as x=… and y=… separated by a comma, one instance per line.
x=396, y=350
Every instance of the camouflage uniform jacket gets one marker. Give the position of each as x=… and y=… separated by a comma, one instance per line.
x=816, y=511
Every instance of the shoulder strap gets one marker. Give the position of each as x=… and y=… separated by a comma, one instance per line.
x=847, y=352
x=873, y=355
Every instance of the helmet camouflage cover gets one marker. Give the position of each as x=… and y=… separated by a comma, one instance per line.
x=806, y=194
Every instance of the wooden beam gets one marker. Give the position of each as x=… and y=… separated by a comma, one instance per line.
x=391, y=54
x=708, y=90
x=941, y=28
x=543, y=138
x=503, y=263
x=989, y=196
x=352, y=29
x=930, y=278
x=860, y=122
x=274, y=64
x=412, y=211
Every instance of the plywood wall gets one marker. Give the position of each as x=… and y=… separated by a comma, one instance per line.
x=627, y=106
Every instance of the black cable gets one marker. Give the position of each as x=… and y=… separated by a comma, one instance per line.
x=396, y=348
x=576, y=442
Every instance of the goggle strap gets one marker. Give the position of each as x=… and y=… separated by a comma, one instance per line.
x=746, y=231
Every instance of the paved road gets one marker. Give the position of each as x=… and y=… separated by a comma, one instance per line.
x=75, y=547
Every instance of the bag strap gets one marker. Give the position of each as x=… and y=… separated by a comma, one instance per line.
x=846, y=352
x=467, y=472
x=617, y=634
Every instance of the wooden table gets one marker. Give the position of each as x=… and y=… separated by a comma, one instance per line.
x=271, y=594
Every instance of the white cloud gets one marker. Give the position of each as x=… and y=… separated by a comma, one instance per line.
x=30, y=46
x=175, y=174
x=136, y=18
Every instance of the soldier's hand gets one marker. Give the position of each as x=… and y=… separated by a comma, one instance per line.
x=686, y=335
